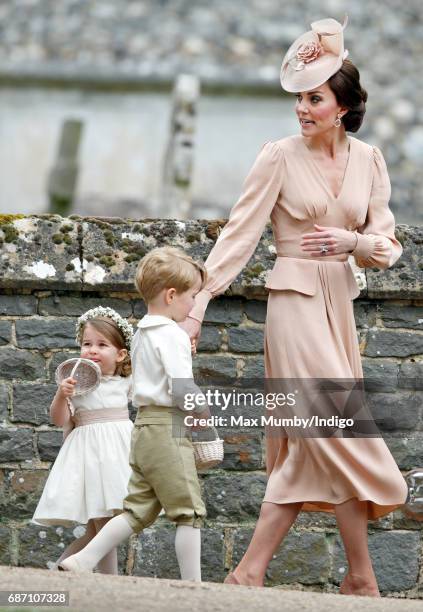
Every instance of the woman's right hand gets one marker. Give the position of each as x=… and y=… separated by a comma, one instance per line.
x=193, y=328
x=67, y=387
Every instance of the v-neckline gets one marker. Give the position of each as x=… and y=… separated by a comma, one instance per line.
x=322, y=176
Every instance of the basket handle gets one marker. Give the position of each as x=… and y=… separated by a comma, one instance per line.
x=215, y=432
x=75, y=368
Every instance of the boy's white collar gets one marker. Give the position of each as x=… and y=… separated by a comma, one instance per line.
x=154, y=321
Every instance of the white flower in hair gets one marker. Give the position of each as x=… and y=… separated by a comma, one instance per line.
x=105, y=311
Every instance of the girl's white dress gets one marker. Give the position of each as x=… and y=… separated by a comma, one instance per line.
x=90, y=475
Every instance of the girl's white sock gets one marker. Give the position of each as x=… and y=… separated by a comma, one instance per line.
x=188, y=552
x=114, y=532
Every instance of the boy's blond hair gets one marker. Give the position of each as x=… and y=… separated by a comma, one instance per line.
x=166, y=267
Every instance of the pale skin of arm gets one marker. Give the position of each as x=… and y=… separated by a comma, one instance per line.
x=59, y=410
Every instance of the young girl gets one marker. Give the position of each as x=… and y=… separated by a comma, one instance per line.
x=88, y=481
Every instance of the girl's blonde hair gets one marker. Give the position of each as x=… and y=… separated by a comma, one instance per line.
x=166, y=267
x=108, y=328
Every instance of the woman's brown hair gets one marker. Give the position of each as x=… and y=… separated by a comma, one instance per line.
x=348, y=91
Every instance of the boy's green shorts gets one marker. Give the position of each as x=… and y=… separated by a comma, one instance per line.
x=163, y=471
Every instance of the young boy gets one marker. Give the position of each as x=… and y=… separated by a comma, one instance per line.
x=162, y=460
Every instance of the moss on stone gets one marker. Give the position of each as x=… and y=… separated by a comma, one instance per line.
x=67, y=239
x=106, y=261
x=109, y=237
x=57, y=238
x=70, y=267
x=254, y=271
x=65, y=229
x=132, y=257
x=8, y=219
x=192, y=237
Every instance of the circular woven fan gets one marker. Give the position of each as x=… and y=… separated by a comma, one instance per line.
x=86, y=372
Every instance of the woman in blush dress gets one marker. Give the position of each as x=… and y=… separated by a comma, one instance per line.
x=327, y=195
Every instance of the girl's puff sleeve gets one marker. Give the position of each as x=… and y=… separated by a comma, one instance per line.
x=240, y=236
x=377, y=246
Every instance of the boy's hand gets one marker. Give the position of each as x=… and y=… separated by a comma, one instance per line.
x=67, y=387
x=201, y=415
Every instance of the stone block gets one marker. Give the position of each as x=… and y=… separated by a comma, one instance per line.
x=224, y=311
x=392, y=412
x=5, y=544
x=302, y=558
x=380, y=375
x=404, y=280
x=242, y=452
x=140, y=309
x=411, y=375
x=245, y=340
x=4, y=402
x=31, y=403
x=253, y=368
x=212, y=554
x=5, y=332
x=395, y=558
x=155, y=552
x=210, y=339
x=49, y=443
x=23, y=491
x=18, y=305
x=406, y=450
x=401, y=316
x=41, y=546
x=40, y=252
x=18, y=364
x=44, y=334
x=382, y=343
x=74, y=306
x=256, y=310
x=218, y=368
x=230, y=498
x=15, y=445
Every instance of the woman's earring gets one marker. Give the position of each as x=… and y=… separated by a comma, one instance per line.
x=337, y=122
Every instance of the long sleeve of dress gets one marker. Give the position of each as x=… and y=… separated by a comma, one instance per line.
x=377, y=246
x=240, y=236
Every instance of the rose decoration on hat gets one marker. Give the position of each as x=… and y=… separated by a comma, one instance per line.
x=307, y=52
x=315, y=56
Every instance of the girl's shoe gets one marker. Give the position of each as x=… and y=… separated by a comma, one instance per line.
x=71, y=565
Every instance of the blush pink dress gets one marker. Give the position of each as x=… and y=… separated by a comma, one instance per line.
x=310, y=329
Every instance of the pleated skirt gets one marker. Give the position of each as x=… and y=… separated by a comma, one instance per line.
x=314, y=336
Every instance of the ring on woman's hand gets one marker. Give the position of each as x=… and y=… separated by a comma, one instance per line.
x=324, y=248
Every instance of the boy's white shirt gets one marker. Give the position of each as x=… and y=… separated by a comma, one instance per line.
x=160, y=352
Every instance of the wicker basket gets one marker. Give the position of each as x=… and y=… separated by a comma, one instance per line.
x=86, y=372
x=208, y=454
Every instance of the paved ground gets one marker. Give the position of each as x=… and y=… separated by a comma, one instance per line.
x=95, y=592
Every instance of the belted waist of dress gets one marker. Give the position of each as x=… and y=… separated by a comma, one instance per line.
x=328, y=258
x=102, y=415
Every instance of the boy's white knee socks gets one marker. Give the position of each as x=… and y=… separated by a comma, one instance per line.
x=117, y=530
x=114, y=532
x=188, y=552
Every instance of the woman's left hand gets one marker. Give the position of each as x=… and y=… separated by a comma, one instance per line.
x=337, y=241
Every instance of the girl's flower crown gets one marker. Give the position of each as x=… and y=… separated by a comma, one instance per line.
x=102, y=311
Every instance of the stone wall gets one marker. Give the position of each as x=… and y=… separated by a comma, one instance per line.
x=53, y=269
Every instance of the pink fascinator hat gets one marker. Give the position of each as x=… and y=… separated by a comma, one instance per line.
x=314, y=56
